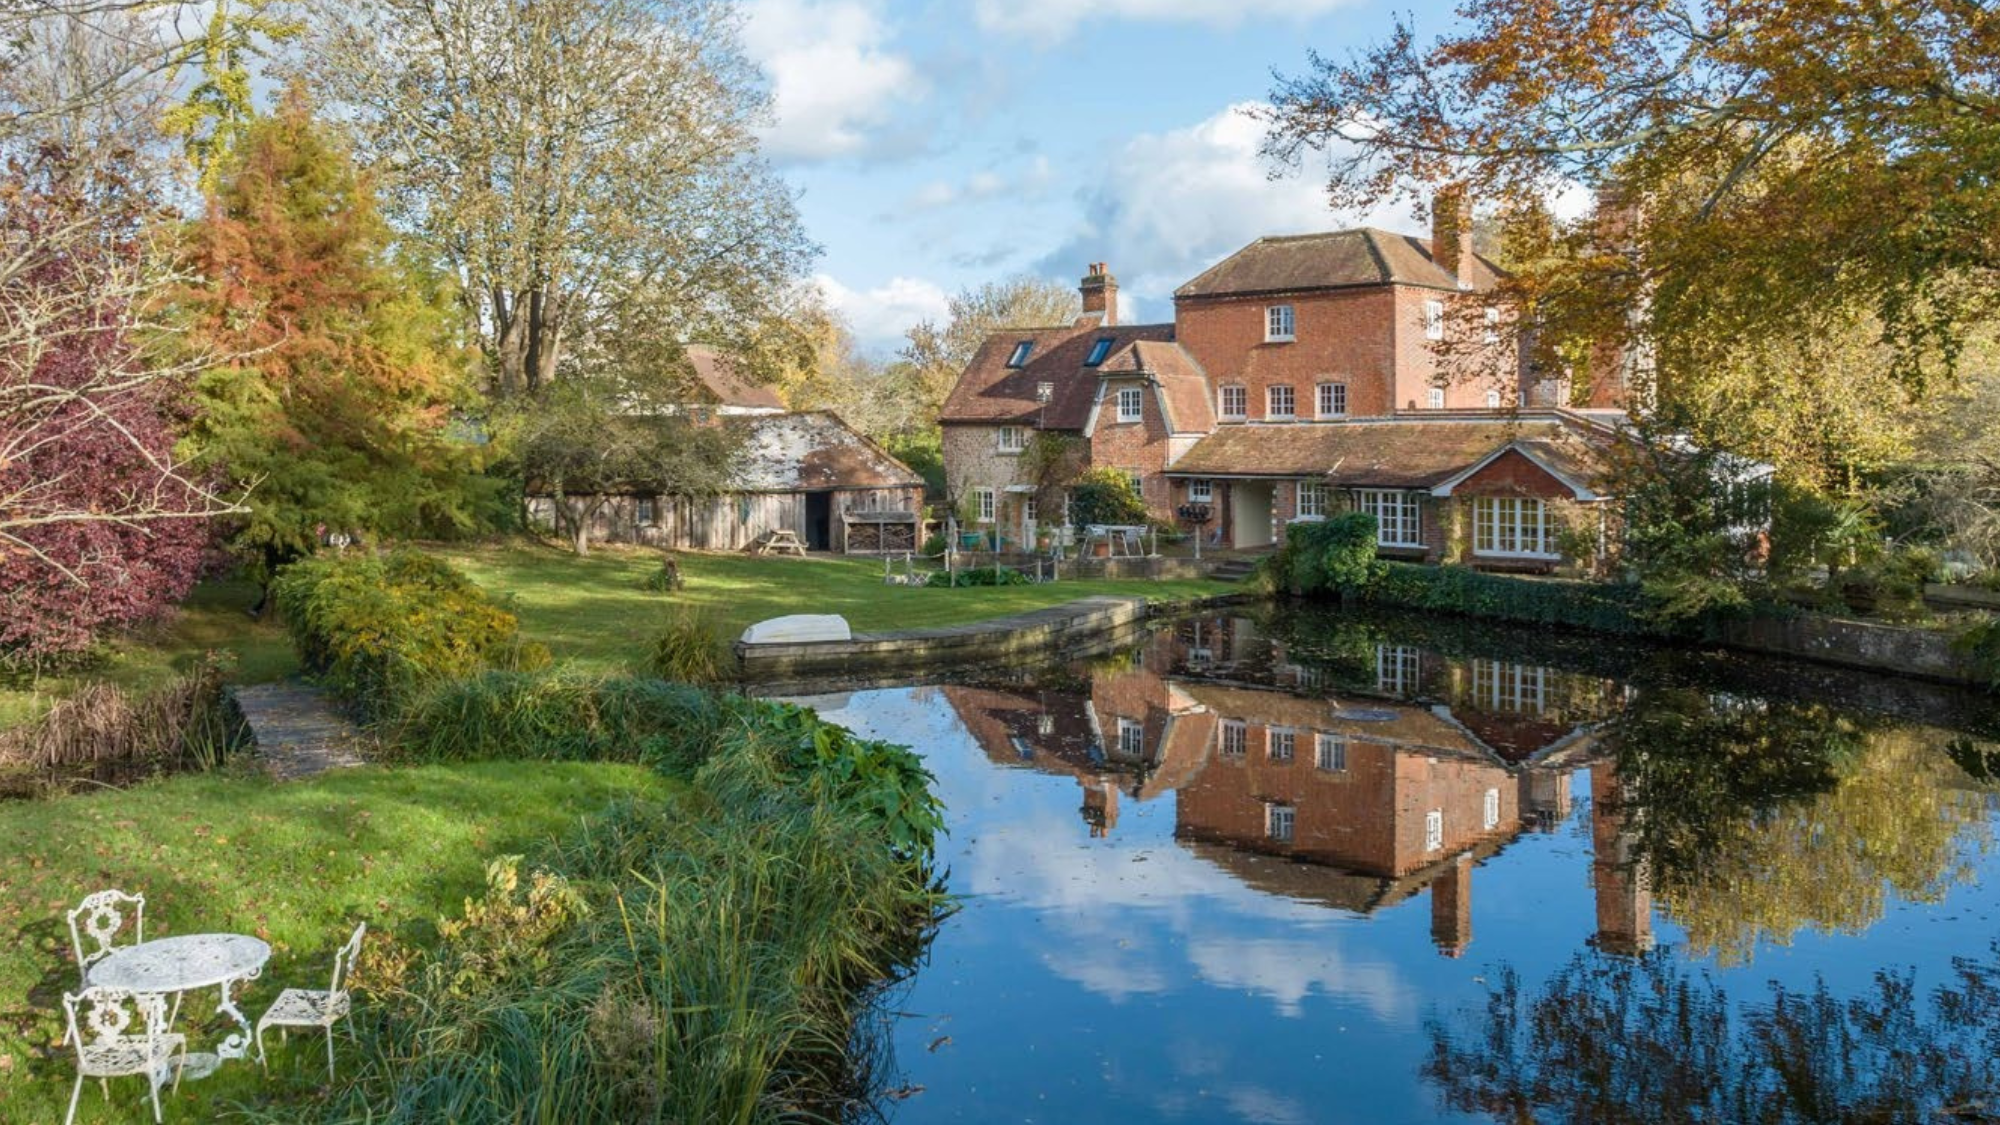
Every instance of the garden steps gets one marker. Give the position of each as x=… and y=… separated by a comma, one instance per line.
x=298, y=730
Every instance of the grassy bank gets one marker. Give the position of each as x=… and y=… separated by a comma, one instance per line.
x=598, y=612
x=216, y=617
x=297, y=864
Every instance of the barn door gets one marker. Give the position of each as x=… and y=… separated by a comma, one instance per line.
x=819, y=521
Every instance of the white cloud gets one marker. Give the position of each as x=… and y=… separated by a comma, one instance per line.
x=1022, y=179
x=1056, y=19
x=835, y=81
x=880, y=315
x=1165, y=206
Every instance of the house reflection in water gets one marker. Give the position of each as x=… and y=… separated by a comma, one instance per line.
x=1355, y=788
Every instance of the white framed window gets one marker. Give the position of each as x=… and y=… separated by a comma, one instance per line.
x=1506, y=686
x=1279, y=402
x=1131, y=404
x=1284, y=744
x=1330, y=752
x=1279, y=324
x=1201, y=491
x=1492, y=400
x=1019, y=358
x=1138, y=485
x=1492, y=325
x=986, y=501
x=1235, y=738
x=1312, y=499
x=1278, y=822
x=1031, y=511
x=1512, y=526
x=1013, y=439
x=1398, y=516
x=1434, y=398
x=1397, y=669
x=1490, y=811
x=646, y=511
x=1233, y=401
x=1131, y=738
x=1434, y=830
x=1433, y=320
x=1332, y=400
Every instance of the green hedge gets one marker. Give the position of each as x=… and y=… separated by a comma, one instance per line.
x=1603, y=607
x=376, y=628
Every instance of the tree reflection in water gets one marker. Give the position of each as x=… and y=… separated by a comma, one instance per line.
x=1756, y=818
x=1650, y=1041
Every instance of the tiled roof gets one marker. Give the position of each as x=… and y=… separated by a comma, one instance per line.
x=990, y=391
x=717, y=373
x=1333, y=260
x=1190, y=407
x=1392, y=453
x=813, y=450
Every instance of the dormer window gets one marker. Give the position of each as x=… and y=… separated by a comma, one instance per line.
x=1098, y=351
x=1020, y=356
x=1131, y=404
x=1279, y=324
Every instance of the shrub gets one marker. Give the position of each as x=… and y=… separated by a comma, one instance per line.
x=561, y=715
x=979, y=576
x=1335, y=554
x=666, y=577
x=692, y=650
x=1457, y=589
x=378, y=628
x=1105, y=496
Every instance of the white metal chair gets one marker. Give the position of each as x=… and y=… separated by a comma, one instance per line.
x=98, y=1022
x=103, y=917
x=305, y=1007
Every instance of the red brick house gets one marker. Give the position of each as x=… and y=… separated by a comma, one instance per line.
x=1300, y=376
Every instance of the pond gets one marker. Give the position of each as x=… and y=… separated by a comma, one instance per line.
x=1300, y=866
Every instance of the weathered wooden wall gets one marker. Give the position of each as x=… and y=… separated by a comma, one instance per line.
x=729, y=522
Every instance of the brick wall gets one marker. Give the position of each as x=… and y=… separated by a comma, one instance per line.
x=1470, y=372
x=1342, y=336
x=1142, y=447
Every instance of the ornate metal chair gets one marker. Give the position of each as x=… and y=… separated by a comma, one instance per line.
x=305, y=1007
x=99, y=1019
x=103, y=917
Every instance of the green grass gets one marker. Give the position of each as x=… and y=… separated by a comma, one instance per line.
x=598, y=610
x=297, y=864
x=216, y=617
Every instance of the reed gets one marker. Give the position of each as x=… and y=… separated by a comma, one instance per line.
x=188, y=721
x=692, y=650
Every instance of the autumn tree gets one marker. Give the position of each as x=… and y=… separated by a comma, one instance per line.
x=587, y=168
x=937, y=354
x=101, y=525
x=336, y=412
x=1775, y=174
x=220, y=104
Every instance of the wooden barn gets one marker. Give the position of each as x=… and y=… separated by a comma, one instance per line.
x=808, y=473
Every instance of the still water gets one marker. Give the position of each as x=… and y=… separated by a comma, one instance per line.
x=1308, y=867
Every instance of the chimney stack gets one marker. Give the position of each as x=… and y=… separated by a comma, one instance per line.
x=1451, y=233
x=1100, y=295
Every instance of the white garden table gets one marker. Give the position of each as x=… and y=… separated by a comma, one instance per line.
x=175, y=965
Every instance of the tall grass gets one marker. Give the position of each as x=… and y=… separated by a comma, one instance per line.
x=188, y=721
x=715, y=976
x=692, y=650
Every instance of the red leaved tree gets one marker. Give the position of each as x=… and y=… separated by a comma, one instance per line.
x=100, y=526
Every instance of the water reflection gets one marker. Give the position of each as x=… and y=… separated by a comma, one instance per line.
x=1243, y=818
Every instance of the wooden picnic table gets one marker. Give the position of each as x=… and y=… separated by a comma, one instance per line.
x=781, y=540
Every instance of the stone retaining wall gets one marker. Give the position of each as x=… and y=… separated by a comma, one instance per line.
x=1855, y=644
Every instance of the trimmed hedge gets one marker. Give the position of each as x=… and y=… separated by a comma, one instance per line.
x=1606, y=608
x=376, y=629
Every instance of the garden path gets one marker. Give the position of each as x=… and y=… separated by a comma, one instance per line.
x=298, y=730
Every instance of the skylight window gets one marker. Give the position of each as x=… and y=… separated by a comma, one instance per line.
x=1020, y=356
x=1098, y=351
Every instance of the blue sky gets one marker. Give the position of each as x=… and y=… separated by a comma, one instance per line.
x=936, y=144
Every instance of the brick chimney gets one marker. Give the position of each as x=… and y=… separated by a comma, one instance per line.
x=1451, y=233
x=1100, y=294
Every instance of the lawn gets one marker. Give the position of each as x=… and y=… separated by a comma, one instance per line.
x=297, y=864
x=215, y=618
x=598, y=611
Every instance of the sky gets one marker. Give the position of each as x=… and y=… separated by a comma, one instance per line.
x=938, y=144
